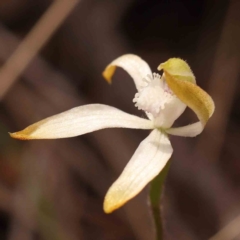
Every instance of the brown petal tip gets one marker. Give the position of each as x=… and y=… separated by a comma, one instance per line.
x=108, y=73
x=18, y=135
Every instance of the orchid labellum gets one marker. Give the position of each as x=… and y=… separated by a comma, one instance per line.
x=163, y=99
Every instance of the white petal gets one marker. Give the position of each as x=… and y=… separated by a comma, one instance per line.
x=135, y=66
x=191, y=130
x=148, y=160
x=81, y=120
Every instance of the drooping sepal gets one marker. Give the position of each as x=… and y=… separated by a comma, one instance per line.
x=188, y=92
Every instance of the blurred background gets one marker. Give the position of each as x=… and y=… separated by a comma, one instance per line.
x=52, y=54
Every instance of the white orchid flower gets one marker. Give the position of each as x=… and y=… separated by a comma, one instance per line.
x=163, y=98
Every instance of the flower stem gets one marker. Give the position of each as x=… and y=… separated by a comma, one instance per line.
x=156, y=188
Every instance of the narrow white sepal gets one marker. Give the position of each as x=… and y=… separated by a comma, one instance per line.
x=135, y=66
x=81, y=120
x=148, y=160
x=191, y=130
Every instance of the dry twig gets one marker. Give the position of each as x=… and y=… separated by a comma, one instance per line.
x=34, y=41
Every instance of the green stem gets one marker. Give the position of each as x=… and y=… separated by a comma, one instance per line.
x=156, y=188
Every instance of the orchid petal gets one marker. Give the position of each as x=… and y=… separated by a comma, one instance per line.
x=81, y=120
x=148, y=160
x=135, y=66
x=191, y=130
x=188, y=92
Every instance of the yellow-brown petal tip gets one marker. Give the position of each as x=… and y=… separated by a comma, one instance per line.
x=27, y=133
x=19, y=135
x=111, y=204
x=108, y=73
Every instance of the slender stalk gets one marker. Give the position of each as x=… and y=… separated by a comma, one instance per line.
x=156, y=188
